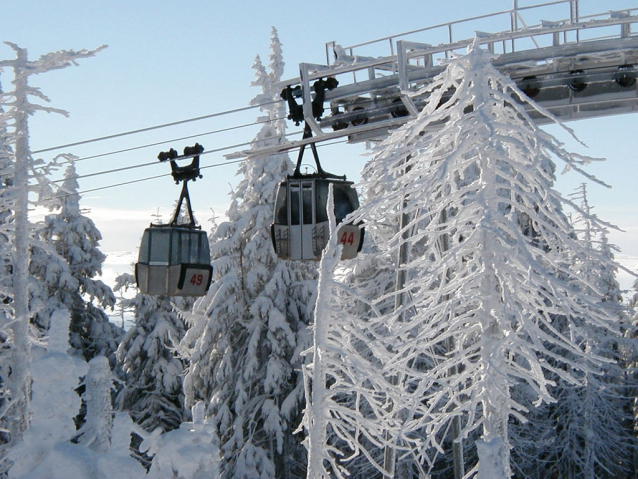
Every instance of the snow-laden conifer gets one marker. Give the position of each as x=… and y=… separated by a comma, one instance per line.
x=54, y=405
x=96, y=431
x=117, y=462
x=190, y=452
x=23, y=174
x=487, y=274
x=75, y=238
x=247, y=333
x=590, y=431
x=152, y=391
x=51, y=448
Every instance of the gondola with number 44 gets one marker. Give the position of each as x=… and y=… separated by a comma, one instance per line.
x=300, y=228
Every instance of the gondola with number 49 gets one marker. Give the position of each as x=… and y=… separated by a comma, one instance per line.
x=174, y=258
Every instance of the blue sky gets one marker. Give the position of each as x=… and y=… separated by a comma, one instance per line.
x=172, y=60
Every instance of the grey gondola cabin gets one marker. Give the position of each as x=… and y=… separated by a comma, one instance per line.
x=300, y=228
x=174, y=261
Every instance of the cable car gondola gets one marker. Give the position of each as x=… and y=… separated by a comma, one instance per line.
x=174, y=258
x=300, y=228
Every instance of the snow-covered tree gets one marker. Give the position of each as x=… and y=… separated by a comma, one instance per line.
x=54, y=405
x=55, y=402
x=116, y=462
x=106, y=434
x=76, y=239
x=51, y=448
x=190, y=452
x=246, y=335
x=152, y=390
x=590, y=432
x=488, y=283
x=22, y=174
x=96, y=431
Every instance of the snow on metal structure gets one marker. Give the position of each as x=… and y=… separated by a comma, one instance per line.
x=576, y=67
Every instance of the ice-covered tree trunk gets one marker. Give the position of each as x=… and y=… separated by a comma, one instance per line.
x=317, y=411
x=345, y=415
x=20, y=353
x=246, y=335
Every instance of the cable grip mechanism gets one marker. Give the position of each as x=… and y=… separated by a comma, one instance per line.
x=296, y=111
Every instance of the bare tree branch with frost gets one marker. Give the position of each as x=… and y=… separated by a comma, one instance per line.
x=347, y=411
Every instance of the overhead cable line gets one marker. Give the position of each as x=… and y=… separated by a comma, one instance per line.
x=140, y=165
x=124, y=168
x=117, y=170
x=135, y=181
x=143, y=179
x=125, y=150
x=164, y=174
x=156, y=127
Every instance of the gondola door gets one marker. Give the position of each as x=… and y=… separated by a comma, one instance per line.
x=302, y=214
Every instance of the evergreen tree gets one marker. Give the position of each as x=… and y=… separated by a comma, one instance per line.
x=189, y=452
x=117, y=462
x=152, y=391
x=590, y=433
x=75, y=238
x=246, y=335
x=52, y=448
x=487, y=264
x=55, y=401
x=96, y=431
x=22, y=174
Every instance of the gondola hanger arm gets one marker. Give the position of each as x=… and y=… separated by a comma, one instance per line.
x=320, y=171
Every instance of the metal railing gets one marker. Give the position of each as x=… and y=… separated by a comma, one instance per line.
x=551, y=56
x=572, y=23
